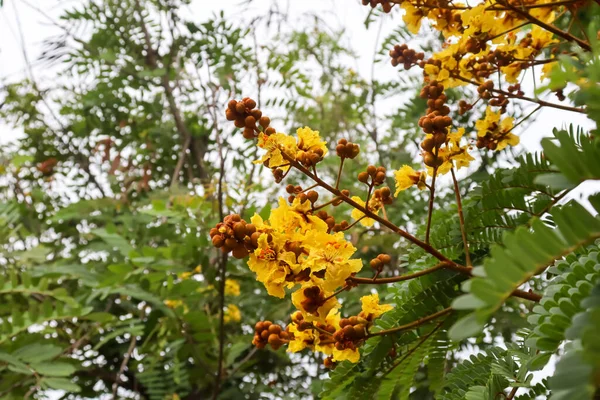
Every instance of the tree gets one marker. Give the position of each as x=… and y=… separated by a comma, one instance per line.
x=143, y=251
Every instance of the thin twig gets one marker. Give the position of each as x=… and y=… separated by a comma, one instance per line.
x=381, y=281
x=115, y=387
x=461, y=219
x=413, y=324
x=182, y=155
x=430, y=208
x=551, y=28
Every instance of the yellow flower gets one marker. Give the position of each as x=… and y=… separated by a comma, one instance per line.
x=274, y=144
x=232, y=314
x=371, y=306
x=346, y=355
x=232, y=287
x=295, y=218
x=497, y=131
x=309, y=140
x=488, y=123
x=198, y=269
x=271, y=264
x=301, y=339
x=185, y=275
x=412, y=17
x=407, y=177
x=331, y=253
x=357, y=214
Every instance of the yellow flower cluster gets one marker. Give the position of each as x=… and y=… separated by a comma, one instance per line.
x=307, y=147
x=295, y=249
x=342, y=345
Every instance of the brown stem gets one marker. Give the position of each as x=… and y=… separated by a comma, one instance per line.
x=461, y=219
x=551, y=28
x=425, y=246
x=532, y=100
x=413, y=324
x=339, y=176
x=152, y=62
x=512, y=393
x=430, y=210
x=381, y=281
x=182, y=155
x=335, y=293
x=115, y=387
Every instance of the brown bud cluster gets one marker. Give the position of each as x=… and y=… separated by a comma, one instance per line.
x=386, y=6
x=560, y=94
x=464, y=106
x=402, y=55
x=499, y=58
x=245, y=115
x=476, y=43
x=235, y=235
x=500, y=101
x=383, y=195
x=310, y=158
x=485, y=90
x=342, y=226
x=516, y=90
x=346, y=149
x=266, y=332
x=329, y=220
x=295, y=192
x=436, y=122
x=352, y=331
x=380, y=261
x=315, y=298
x=376, y=175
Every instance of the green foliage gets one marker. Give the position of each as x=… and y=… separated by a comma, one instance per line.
x=526, y=253
x=574, y=279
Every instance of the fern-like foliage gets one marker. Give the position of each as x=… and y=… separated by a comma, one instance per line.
x=412, y=349
x=575, y=156
x=577, y=371
x=563, y=298
x=507, y=199
x=165, y=376
x=525, y=253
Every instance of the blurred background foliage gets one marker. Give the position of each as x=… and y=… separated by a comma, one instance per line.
x=107, y=277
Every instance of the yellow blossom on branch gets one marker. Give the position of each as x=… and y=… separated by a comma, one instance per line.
x=371, y=306
x=407, y=177
x=357, y=214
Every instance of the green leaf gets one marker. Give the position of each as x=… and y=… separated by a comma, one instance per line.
x=61, y=384
x=55, y=368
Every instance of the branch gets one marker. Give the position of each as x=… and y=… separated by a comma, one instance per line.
x=115, y=386
x=414, y=324
x=425, y=246
x=551, y=28
x=430, y=209
x=461, y=219
x=151, y=61
x=381, y=281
